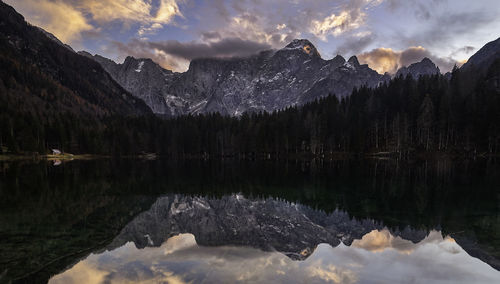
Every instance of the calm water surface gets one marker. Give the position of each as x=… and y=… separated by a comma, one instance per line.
x=367, y=221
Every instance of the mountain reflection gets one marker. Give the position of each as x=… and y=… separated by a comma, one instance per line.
x=52, y=217
x=269, y=224
x=185, y=239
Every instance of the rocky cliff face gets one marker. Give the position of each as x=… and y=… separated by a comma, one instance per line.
x=424, y=67
x=268, y=81
x=142, y=77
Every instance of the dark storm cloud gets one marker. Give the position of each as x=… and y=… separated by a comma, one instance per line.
x=175, y=55
x=227, y=47
x=210, y=35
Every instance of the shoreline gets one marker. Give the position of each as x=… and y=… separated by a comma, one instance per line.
x=259, y=156
x=50, y=157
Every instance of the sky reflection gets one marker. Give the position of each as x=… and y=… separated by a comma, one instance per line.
x=378, y=257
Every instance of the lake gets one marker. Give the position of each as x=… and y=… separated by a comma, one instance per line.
x=225, y=221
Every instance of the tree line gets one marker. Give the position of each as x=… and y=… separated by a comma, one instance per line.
x=457, y=114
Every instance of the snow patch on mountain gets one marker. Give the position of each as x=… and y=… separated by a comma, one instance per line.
x=139, y=67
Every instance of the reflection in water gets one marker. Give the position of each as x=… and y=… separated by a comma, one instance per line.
x=268, y=239
x=51, y=217
x=377, y=241
x=378, y=257
x=269, y=224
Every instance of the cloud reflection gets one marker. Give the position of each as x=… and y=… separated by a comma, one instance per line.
x=377, y=256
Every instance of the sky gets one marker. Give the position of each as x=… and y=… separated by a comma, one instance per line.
x=386, y=34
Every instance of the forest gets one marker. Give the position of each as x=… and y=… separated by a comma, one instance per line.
x=456, y=115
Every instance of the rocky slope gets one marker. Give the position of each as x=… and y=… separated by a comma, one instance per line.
x=37, y=69
x=268, y=81
x=484, y=57
x=142, y=77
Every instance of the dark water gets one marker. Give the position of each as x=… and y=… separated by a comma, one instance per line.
x=364, y=221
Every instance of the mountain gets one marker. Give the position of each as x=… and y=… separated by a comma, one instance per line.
x=484, y=57
x=424, y=67
x=268, y=81
x=142, y=77
x=41, y=75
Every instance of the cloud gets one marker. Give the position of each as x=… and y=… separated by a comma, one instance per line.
x=388, y=60
x=167, y=11
x=81, y=273
x=149, y=29
x=467, y=49
x=331, y=274
x=227, y=47
x=254, y=27
x=337, y=24
x=351, y=17
x=57, y=17
x=67, y=20
x=380, y=240
x=423, y=10
x=140, y=49
x=104, y=11
x=442, y=26
x=280, y=21
x=175, y=55
x=140, y=11
x=280, y=26
x=344, y=27
x=128, y=12
x=356, y=44
x=209, y=36
x=381, y=59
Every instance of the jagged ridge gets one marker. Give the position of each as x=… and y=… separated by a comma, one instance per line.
x=268, y=81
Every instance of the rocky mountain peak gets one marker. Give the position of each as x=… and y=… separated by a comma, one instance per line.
x=140, y=64
x=304, y=45
x=134, y=60
x=353, y=60
x=339, y=58
x=144, y=78
x=426, y=60
x=424, y=67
